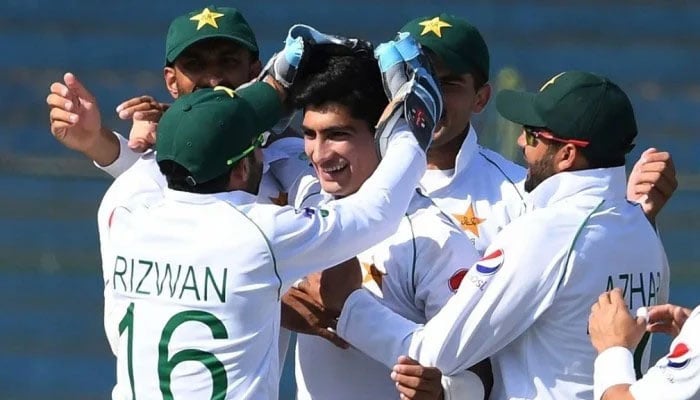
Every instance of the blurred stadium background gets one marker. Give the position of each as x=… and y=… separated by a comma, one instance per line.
x=52, y=343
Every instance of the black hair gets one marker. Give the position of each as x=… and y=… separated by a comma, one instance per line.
x=178, y=178
x=353, y=81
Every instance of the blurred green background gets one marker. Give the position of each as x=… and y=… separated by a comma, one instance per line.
x=52, y=343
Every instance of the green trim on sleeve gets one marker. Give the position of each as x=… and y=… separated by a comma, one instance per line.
x=269, y=247
x=573, y=242
x=415, y=250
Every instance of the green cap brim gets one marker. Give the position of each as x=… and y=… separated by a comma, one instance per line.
x=176, y=51
x=519, y=107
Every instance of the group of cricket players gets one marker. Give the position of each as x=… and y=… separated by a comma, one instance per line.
x=411, y=262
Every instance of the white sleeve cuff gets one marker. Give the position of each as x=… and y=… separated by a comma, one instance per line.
x=463, y=386
x=614, y=366
x=127, y=157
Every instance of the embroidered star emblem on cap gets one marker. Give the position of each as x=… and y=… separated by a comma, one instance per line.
x=469, y=221
x=206, y=17
x=434, y=25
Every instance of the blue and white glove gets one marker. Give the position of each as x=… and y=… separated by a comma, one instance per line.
x=285, y=65
x=412, y=89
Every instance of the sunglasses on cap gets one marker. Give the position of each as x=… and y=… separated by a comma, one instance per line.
x=259, y=141
x=532, y=134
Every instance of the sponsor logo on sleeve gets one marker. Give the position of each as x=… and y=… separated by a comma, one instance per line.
x=490, y=263
x=479, y=275
x=679, y=357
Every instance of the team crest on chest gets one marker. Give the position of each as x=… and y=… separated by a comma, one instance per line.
x=469, y=221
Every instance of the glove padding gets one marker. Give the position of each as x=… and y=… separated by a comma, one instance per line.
x=285, y=65
x=412, y=89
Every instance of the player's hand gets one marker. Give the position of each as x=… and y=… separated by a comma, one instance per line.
x=416, y=382
x=610, y=323
x=285, y=65
x=667, y=318
x=145, y=112
x=332, y=287
x=652, y=181
x=300, y=313
x=73, y=113
x=412, y=88
x=144, y=108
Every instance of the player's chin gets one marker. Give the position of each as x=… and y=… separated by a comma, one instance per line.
x=441, y=132
x=335, y=188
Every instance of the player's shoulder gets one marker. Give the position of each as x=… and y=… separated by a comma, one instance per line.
x=497, y=164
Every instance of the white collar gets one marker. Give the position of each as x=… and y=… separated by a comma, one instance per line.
x=464, y=158
x=237, y=197
x=603, y=183
x=466, y=153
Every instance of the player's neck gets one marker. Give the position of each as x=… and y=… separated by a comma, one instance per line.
x=445, y=156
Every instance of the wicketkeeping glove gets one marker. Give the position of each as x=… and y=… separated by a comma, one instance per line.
x=412, y=89
x=284, y=65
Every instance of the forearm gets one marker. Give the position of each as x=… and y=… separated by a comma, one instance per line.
x=104, y=148
x=618, y=392
x=125, y=156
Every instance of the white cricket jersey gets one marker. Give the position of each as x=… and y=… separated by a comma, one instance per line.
x=410, y=272
x=192, y=281
x=284, y=164
x=526, y=303
x=675, y=376
x=483, y=193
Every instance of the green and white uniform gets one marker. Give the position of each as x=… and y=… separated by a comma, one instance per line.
x=192, y=281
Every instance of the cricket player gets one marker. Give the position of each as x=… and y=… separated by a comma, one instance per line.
x=412, y=272
x=204, y=48
x=193, y=279
x=615, y=334
x=477, y=187
x=525, y=304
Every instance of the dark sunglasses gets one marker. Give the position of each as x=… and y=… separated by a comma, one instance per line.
x=532, y=134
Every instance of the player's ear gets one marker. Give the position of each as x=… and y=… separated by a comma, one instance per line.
x=567, y=158
x=170, y=81
x=239, y=174
x=483, y=94
x=255, y=68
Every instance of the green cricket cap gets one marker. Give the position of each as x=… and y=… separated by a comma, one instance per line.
x=211, y=22
x=457, y=42
x=207, y=130
x=577, y=105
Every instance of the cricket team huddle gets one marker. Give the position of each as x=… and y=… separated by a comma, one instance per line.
x=411, y=262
